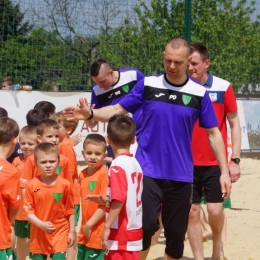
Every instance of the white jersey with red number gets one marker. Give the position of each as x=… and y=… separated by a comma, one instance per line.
x=126, y=185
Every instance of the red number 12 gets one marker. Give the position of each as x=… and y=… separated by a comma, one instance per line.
x=138, y=178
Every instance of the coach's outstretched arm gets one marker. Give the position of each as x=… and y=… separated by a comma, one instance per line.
x=83, y=112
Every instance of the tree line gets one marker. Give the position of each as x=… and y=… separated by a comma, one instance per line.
x=57, y=53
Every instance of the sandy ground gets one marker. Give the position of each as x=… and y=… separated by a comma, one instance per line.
x=243, y=229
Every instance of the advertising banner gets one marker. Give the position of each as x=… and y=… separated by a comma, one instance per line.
x=18, y=103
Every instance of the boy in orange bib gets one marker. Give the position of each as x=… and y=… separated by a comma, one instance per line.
x=48, y=204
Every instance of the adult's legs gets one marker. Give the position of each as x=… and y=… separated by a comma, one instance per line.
x=194, y=227
x=195, y=232
x=224, y=230
x=206, y=229
x=213, y=195
x=155, y=237
x=216, y=221
x=176, y=205
x=151, y=202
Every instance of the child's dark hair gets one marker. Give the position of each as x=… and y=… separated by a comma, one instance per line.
x=35, y=116
x=46, y=123
x=8, y=129
x=96, y=139
x=3, y=112
x=46, y=148
x=60, y=118
x=47, y=107
x=121, y=130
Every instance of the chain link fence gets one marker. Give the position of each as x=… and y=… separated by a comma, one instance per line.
x=50, y=44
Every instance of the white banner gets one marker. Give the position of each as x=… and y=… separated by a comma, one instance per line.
x=18, y=103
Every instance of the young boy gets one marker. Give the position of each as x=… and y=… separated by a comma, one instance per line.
x=122, y=234
x=93, y=181
x=47, y=132
x=28, y=143
x=9, y=185
x=4, y=113
x=66, y=148
x=48, y=204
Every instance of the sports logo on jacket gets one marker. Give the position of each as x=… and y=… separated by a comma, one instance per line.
x=186, y=99
x=92, y=185
x=57, y=197
x=213, y=96
x=126, y=88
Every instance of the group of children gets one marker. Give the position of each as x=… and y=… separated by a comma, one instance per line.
x=41, y=192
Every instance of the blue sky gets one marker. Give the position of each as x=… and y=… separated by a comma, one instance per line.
x=251, y=110
x=87, y=12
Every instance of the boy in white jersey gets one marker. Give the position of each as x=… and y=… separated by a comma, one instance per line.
x=122, y=234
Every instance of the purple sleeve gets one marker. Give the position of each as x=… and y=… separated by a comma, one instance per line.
x=140, y=75
x=207, y=117
x=134, y=99
x=94, y=100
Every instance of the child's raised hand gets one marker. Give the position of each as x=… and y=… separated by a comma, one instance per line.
x=48, y=227
x=76, y=139
x=96, y=198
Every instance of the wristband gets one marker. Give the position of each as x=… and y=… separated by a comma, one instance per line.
x=91, y=114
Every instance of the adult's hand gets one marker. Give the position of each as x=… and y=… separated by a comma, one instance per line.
x=234, y=171
x=79, y=112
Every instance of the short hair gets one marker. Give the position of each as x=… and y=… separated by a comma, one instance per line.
x=178, y=42
x=9, y=129
x=201, y=49
x=3, y=112
x=47, y=107
x=95, y=139
x=46, y=123
x=28, y=131
x=60, y=118
x=46, y=148
x=96, y=65
x=35, y=116
x=121, y=130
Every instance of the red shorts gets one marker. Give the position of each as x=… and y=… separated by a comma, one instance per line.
x=122, y=255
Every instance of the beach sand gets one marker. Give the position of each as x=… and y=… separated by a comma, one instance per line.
x=243, y=228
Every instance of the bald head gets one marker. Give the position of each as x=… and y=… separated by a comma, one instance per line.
x=178, y=42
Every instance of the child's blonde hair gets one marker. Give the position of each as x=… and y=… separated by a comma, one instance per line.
x=46, y=148
x=46, y=123
x=60, y=118
x=96, y=139
x=28, y=131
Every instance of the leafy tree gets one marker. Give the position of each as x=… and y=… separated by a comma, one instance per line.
x=227, y=30
x=68, y=18
x=11, y=20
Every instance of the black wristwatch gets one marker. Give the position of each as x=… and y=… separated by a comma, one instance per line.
x=235, y=160
x=91, y=114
